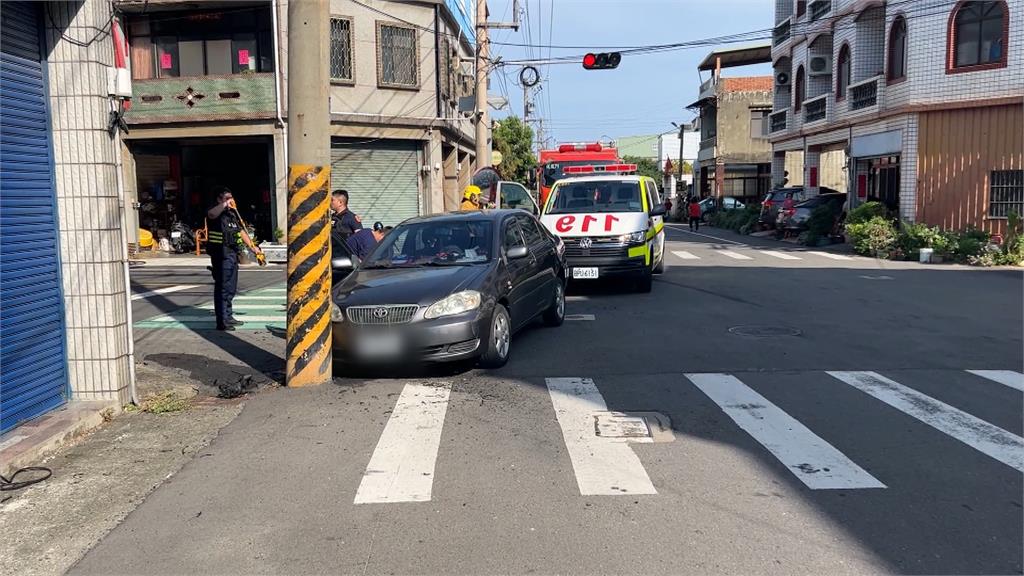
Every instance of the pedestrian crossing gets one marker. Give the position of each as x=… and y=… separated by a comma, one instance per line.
x=603, y=463
x=259, y=310
x=756, y=256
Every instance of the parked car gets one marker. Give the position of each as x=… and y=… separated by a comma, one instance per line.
x=773, y=201
x=448, y=287
x=709, y=206
x=795, y=221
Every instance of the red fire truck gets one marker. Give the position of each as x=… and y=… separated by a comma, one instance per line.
x=553, y=162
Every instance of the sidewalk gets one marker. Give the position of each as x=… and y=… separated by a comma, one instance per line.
x=163, y=260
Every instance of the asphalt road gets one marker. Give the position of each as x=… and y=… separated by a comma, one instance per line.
x=818, y=418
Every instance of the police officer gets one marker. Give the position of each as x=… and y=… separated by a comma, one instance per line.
x=364, y=241
x=227, y=238
x=343, y=222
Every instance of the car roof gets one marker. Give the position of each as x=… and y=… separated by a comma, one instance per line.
x=467, y=215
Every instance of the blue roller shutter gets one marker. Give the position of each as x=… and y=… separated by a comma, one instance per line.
x=33, y=364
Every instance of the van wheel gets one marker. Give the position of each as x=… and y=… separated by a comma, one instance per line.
x=644, y=284
x=555, y=315
x=498, y=341
x=660, y=268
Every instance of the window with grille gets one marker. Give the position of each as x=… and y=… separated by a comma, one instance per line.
x=1005, y=193
x=397, y=56
x=341, y=50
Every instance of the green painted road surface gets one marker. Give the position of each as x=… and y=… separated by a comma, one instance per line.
x=259, y=309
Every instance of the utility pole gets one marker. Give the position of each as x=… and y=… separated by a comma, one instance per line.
x=483, y=117
x=309, y=360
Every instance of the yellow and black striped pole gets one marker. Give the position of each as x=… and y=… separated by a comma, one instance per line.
x=309, y=178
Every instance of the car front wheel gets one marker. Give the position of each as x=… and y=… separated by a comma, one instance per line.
x=555, y=315
x=499, y=339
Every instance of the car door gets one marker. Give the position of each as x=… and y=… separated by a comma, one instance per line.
x=542, y=282
x=518, y=274
x=656, y=222
x=515, y=195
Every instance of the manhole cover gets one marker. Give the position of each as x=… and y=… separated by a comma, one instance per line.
x=755, y=331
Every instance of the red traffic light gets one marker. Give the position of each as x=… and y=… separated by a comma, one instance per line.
x=602, y=61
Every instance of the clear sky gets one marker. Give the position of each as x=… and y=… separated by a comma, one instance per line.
x=647, y=91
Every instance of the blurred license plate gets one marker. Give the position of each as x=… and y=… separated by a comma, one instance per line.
x=578, y=273
x=378, y=345
x=175, y=234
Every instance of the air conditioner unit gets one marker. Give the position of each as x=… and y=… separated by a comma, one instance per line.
x=819, y=66
x=782, y=79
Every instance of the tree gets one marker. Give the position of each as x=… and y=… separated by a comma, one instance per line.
x=645, y=167
x=687, y=168
x=514, y=140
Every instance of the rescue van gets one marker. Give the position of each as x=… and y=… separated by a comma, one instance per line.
x=611, y=221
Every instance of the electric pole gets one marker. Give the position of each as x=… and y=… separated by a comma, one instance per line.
x=309, y=360
x=483, y=121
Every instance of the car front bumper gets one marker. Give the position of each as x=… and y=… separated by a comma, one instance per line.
x=446, y=339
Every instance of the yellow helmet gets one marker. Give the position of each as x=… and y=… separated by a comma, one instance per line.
x=470, y=192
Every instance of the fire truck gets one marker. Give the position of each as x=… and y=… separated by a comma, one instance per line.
x=552, y=163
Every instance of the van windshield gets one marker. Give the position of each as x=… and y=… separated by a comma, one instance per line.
x=595, y=196
x=555, y=170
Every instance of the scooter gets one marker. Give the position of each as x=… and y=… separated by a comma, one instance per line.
x=182, y=238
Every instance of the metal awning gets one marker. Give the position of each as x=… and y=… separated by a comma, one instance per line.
x=739, y=56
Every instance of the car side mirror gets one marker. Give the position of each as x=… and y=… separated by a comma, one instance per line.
x=658, y=210
x=344, y=263
x=516, y=252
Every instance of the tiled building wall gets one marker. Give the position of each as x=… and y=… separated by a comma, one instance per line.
x=92, y=244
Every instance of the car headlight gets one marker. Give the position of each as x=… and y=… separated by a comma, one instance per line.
x=336, y=315
x=634, y=237
x=455, y=304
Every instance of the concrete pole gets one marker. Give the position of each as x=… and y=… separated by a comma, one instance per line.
x=309, y=360
x=483, y=122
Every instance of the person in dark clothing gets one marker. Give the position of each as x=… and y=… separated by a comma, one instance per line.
x=364, y=241
x=227, y=238
x=694, y=214
x=344, y=223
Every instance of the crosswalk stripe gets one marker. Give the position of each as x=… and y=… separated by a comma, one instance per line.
x=780, y=255
x=247, y=306
x=603, y=466
x=402, y=466
x=579, y=317
x=244, y=298
x=186, y=318
x=685, y=255
x=734, y=255
x=158, y=291
x=1009, y=378
x=988, y=439
x=817, y=464
x=832, y=256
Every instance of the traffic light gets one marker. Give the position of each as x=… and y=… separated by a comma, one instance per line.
x=602, y=61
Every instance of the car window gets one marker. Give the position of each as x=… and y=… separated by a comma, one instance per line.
x=653, y=198
x=531, y=232
x=515, y=196
x=433, y=243
x=574, y=197
x=511, y=237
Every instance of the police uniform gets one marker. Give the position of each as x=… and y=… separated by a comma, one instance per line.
x=225, y=243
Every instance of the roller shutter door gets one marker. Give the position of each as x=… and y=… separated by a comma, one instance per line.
x=382, y=178
x=33, y=366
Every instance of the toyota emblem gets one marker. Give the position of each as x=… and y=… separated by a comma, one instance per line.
x=585, y=243
x=380, y=312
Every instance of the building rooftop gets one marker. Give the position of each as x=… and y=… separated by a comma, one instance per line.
x=747, y=84
x=738, y=56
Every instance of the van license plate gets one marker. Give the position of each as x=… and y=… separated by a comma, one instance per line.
x=584, y=273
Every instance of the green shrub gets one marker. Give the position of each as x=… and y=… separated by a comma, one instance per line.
x=865, y=212
x=968, y=247
x=913, y=237
x=876, y=237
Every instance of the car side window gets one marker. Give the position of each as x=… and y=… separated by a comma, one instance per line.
x=514, y=196
x=512, y=237
x=531, y=232
x=653, y=191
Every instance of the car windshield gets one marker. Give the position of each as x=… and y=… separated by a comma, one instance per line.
x=554, y=170
x=595, y=196
x=434, y=243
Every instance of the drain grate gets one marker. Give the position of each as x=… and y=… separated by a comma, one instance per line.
x=760, y=331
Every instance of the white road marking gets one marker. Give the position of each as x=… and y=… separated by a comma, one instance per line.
x=1009, y=378
x=810, y=458
x=780, y=255
x=278, y=298
x=248, y=306
x=685, y=255
x=988, y=439
x=402, y=466
x=603, y=466
x=682, y=228
x=275, y=290
x=579, y=316
x=734, y=255
x=576, y=298
x=828, y=255
x=190, y=318
x=167, y=290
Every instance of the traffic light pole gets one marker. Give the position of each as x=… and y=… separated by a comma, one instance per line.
x=309, y=177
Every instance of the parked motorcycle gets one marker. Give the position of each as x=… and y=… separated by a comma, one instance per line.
x=183, y=239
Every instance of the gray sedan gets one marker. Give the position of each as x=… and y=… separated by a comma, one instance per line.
x=449, y=287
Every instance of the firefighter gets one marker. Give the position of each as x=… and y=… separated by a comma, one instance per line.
x=471, y=198
x=227, y=238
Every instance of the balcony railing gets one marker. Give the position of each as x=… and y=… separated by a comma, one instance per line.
x=816, y=109
x=781, y=32
x=864, y=94
x=777, y=121
x=819, y=8
x=709, y=142
x=707, y=88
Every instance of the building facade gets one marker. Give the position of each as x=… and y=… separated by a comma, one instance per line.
x=922, y=104
x=65, y=330
x=209, y=108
